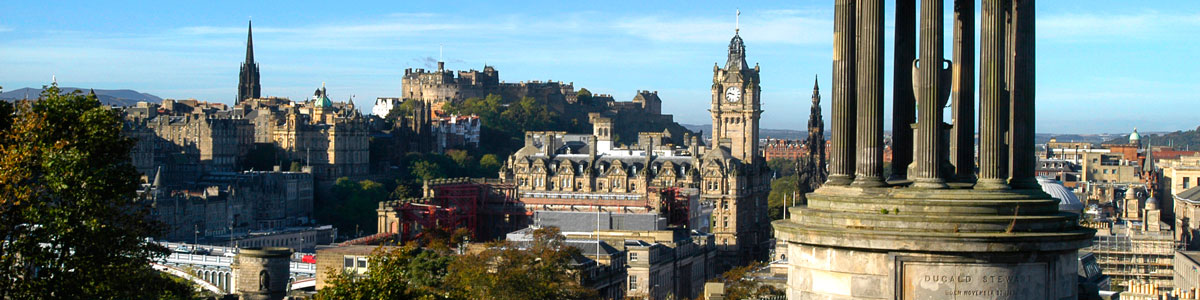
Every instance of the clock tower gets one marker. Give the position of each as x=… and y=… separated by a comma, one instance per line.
x=735, y=104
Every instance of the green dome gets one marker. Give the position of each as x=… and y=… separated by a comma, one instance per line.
x=1134, y=137
x=324, y=102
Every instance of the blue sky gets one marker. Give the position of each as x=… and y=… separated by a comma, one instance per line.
x=1103, y=66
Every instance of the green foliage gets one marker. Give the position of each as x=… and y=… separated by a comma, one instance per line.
x=782, y=166
x=426, y=170
x=505, y=122
x=783, y=190
x=352, y=205
x=502, y=271
x=68, y=217
x=738, y=285
x=1179, y=140
x=489, y=164
x=463, y=160
x=295, y=167
x=584, y=96
x=405, y=109
x=541, y=271
x=402, y=272
x=401, y=191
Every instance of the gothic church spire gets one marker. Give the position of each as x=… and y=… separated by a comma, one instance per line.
x=248, y=85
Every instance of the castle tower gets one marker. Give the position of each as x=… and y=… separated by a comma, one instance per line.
x=248, y=86
x=735, y=103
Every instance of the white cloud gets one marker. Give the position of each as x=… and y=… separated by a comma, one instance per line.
x=776, y=26
x=1148, y=25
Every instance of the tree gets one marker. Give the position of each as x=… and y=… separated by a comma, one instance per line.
x=504, y=271
x=396, y=272
x=69, y=223
x=464, y=161
x=738, y=285
x=783, y=192
x=426, y=170
x=352, y=205
x=489, y=164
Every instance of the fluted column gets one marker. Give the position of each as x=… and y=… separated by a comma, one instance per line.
x=929, y=112
x=841, y=158
x=962, y=139
x=1024, y=160
x=903, y=101
x=869, y=172
x=993, y=100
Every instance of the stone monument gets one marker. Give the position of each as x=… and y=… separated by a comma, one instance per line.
x=935, y=229
x=262, y=273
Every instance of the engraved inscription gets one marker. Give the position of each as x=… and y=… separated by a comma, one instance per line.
x=973, y=281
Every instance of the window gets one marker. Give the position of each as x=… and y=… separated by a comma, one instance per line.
x=362, y=262
x=1185, y=182
x=349, y=262
x=632, y=256
x=632, y=282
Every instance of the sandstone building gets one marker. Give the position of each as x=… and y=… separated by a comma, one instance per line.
x=557, y=171
x=330, y=137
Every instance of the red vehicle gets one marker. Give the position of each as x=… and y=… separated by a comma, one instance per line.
x=309, y=259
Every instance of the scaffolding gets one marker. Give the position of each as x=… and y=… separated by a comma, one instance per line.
x=1133, y=257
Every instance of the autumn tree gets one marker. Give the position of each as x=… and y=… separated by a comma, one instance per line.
x=398, y=272
x=69, y=224
x=539, y=270
x=740, y=285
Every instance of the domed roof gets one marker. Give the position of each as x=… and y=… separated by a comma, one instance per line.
x=1067, y=199
x=1134, y=137
x=1151, y=203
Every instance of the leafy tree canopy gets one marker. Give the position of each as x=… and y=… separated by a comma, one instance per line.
x=68, y=217
x=502, y=271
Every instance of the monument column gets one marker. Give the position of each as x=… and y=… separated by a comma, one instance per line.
x=993, y=100
x=902, y=89
x=1024, y=161
x=841, y=158
x=870, y=94
x=929, y=112
x=962, y=139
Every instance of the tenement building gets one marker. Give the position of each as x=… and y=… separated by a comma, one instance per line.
x=188, y=137
x=222, y=203
x=330, y=137
x=937, y=230
x=556, y=171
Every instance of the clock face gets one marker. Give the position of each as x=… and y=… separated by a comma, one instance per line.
x=733, y=94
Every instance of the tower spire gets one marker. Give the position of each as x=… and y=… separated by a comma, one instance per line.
x=248, y=85
x=737, y=22
x=250, y=42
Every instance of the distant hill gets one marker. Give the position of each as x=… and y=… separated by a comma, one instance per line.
x=107, y=97
x=1041, y=138
x=765, y=133
x=1181, y=139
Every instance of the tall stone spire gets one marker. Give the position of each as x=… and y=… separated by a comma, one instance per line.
x=816, y=136
x=248, y=85
x=250, y=41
